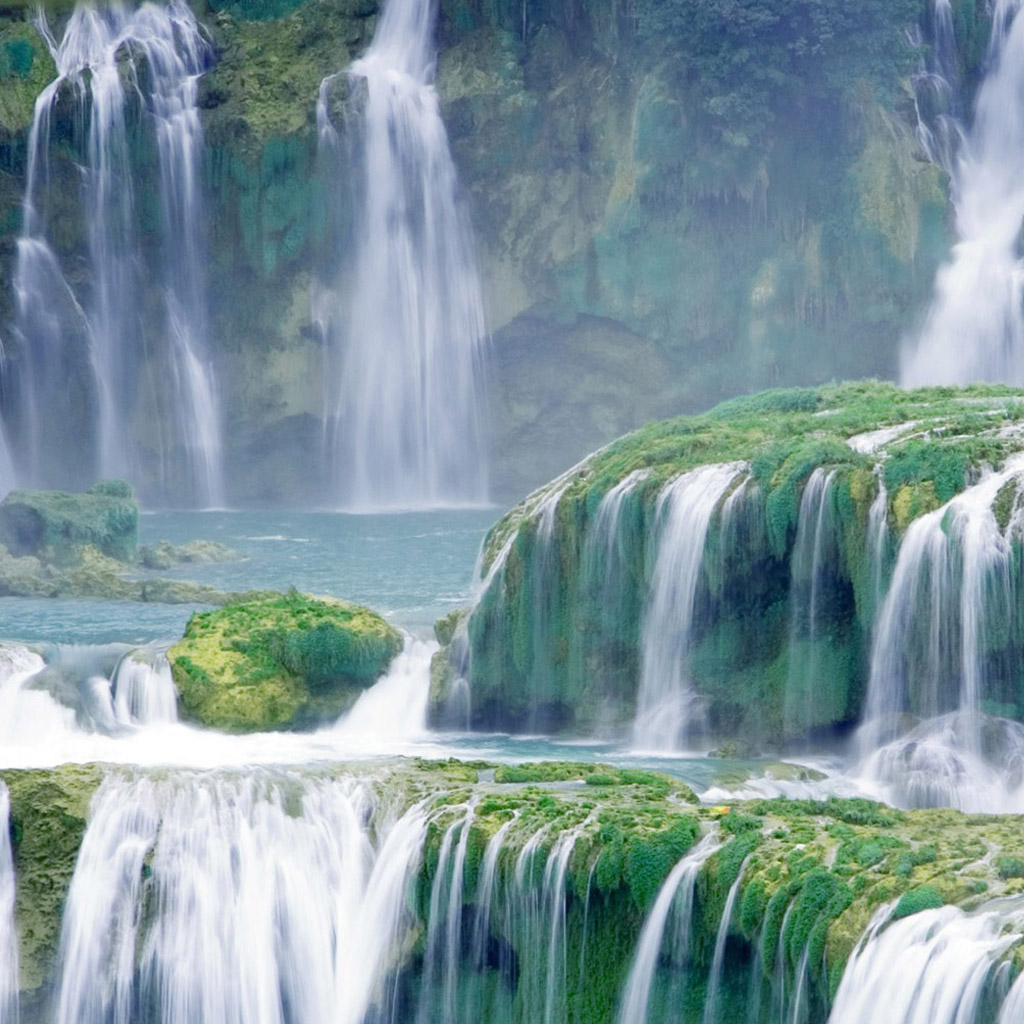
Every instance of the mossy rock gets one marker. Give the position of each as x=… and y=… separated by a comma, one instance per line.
x=53, y=525
x=49, y=810
x=279, y=661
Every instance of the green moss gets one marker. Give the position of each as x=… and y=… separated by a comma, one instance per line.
x=49, y=809
x=924, y=897
x=280, y=661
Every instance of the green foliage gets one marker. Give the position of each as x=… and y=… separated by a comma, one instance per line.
x=913, y=901
x=279, y=661
x=1010, y=867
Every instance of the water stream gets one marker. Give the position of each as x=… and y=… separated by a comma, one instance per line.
x=405, y=327
x=100, y=334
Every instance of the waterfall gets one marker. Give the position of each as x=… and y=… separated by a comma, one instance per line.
x=298, y=888
x=813, y=552
x=711, y=1011
x=675, y=898
x=8, y=929
x=937, y=92
x=975, y=327
x=102, y=338
x=395, y=707
x=143, y=689
x=668, y=711
x=952, y=585
x=933, y=967
x=406, y=330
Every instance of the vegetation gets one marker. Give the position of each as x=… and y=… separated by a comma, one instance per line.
x=556, y=636
x=279, y=661
x=812, y=874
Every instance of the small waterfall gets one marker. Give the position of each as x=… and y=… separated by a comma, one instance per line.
x=933, y=967
x=108, y=326
x=878, y=543
x=675, y=899
x=668, y=711
x=407, y=330
x=143, y=689
x=711, y=1010
x=813, y=553
x=937, y=93
x=975, y=328
x=298, y=887
x=395, y=707
x=951, y=586
x=8, y=928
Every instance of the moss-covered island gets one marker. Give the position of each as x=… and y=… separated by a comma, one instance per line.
x=791, y=577
x=581, y=848
x=279, y=661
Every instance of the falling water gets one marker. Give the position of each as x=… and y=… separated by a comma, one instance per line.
x=667, y=708
x=952, y=584
x=711, y=1010
x=813, y=552
x=937, y=92
x=298, y=888
x=933, y=967
x=106, y=324
x=975, y=328
x=8, y=930
x=675, y=898
x=407, y=330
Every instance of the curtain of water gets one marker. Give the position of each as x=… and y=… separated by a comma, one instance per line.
x=98, y=339
x=668, y=710
x=406, y=328
x=975, y=327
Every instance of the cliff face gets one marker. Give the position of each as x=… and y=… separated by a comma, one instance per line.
x=669, y=208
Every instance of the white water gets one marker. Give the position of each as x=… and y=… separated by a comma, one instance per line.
x=108, y=319
x=711, y=1010
x=298, y=889
x=675, y=898
x=929, y=968
x=668, y=710
x=406, y=329
x=814, y=547
x=952, y=580
x=975, y=328
x=8, y=930
x=395, y=708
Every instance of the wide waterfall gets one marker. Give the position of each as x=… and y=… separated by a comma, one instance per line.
x=405, y=329
x=975, y=328
x=131, y=333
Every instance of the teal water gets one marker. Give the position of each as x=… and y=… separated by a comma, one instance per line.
x=412, y=568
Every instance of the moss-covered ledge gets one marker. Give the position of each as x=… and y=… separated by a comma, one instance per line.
x=811, y=873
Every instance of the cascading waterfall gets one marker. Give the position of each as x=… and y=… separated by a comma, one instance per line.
x=668, y=710
x=297, y=886
x=934, y=967
x=8, y=929
x=975, y=327
x=406, y=331
x=813, y=552
x=952, y=585
x=675, y=900
x=58, y=328
x=711, y=1009
x=937, y=93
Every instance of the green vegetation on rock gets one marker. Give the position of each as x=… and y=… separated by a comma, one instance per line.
x=279, y=661
x=555, y=638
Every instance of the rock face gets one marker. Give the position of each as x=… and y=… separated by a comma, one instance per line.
x=527, y=858
x=279, y=661
x=659, y=226
x=54, y=524
x=768, y=570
